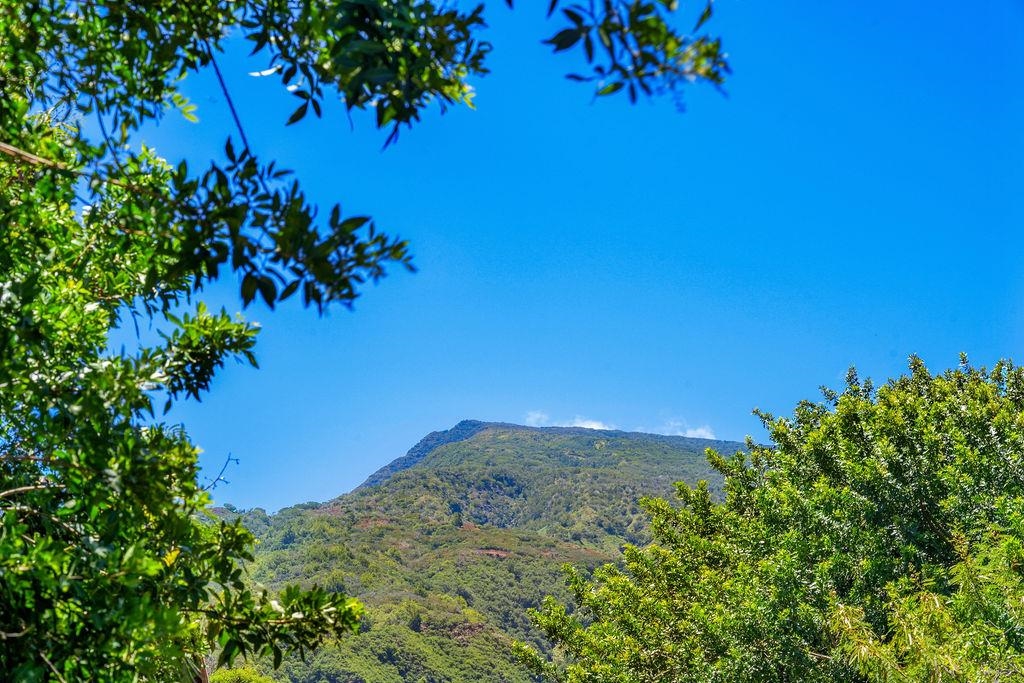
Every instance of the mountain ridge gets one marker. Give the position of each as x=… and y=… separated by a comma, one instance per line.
x=468, y=428
x=451, y=544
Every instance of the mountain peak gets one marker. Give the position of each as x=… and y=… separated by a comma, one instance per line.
x=467, y=429
x=460, y=432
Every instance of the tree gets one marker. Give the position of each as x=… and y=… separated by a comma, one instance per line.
x=878, y=538
x=121, y=63
x=110, y=568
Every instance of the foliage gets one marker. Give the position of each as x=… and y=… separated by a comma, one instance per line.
x=108, y=572
x=631, y=46
x=122, y=63
x=878, y=538
x=449, y=551
x=243, y=675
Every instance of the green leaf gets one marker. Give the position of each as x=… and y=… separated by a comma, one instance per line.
x=565, y=39
x=298, y=114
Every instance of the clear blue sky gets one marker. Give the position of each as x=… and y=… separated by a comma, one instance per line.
x=856, y=198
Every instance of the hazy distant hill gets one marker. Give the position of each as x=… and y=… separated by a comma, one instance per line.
x=450, y=544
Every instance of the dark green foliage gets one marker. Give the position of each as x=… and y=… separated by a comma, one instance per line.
x=450, y=552
x=631, y=45
x=879, y=538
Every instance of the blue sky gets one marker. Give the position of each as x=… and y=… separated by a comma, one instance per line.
x=854, y=199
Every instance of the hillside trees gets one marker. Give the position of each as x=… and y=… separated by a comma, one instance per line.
x=108, y=572
x=878, y=538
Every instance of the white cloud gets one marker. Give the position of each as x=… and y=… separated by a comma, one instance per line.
x=266, y=72
x=542, y=419
x=586, y=423
x=670, y=427
x=537, y=418
x=675, y=427
x=702, y=432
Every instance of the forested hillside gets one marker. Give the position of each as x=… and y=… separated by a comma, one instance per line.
x=449, y=545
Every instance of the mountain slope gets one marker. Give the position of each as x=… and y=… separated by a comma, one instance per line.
x=451, y=544
x=432, y=441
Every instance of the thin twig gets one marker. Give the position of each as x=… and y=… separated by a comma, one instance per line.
x=227, y=97
x=110, y=143
x=220, y=475
x=26, y=489
x=13, y=151
x=241, y=132
x=22, y=155
x=28, y=157
x=52, y=667
x=4, y=635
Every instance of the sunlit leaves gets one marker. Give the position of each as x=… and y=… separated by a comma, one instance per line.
x=396, y=57
x=110, y=570
x=119, y=65
x=879, y=538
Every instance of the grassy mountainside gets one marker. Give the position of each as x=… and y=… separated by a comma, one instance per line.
x=449, y=546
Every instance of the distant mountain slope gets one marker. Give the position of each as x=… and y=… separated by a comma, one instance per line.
x=462, y=430
x=449, y=545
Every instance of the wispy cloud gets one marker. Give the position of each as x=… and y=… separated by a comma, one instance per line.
x=702, y=432
x=537, y=418
x=586, y=423
x=676, y=427
x=670, y=427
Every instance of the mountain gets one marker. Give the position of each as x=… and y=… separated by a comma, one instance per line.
x=449, y=545
x=433, y=440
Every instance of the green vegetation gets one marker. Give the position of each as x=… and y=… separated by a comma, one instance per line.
x=459, y=539
x=106, y=572
x=878, y=539
x=244, y=675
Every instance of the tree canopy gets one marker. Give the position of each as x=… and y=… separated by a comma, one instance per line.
x=119, y=65
x=109, y=568
x=877, y=538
